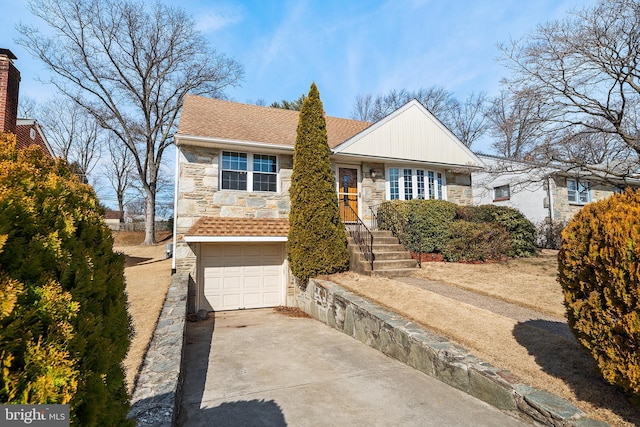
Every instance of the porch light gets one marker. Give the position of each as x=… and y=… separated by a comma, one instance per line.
x=372, y=172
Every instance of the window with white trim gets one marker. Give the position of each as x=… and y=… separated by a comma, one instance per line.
x=407, y=184
x=248, y=172
x=502, y=192
x=578, y=192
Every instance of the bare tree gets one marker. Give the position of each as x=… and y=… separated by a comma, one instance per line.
x=130, y=65
x=27, y=107
x=119, y=171
x=515, y=123
x=468, y=121
x=436, y=99
x=584, y=72
x=74, y=134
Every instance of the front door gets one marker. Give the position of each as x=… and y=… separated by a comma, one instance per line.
x=348, y=193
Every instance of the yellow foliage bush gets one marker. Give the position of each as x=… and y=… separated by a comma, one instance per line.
x=599, y=271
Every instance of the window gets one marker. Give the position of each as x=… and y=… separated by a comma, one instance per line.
x=249, y=172
x=407, y=184
x=502, y=192
x=578, y=191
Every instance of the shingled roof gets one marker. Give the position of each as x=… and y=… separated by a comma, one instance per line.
x=218, y=119
x=239, y=227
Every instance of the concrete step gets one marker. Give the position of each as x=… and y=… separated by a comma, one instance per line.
x=387, y=247
x=380, y=256
x=393, y=264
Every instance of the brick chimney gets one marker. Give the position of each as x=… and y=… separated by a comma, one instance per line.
x=9, y=87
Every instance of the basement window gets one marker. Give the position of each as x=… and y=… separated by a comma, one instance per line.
x=502, y=192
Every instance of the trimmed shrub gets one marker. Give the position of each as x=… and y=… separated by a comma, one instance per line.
x=521, y=231
x=472, y=241
x=317, y=242
x=64, y=327
x=427, y=222
x=599, y=273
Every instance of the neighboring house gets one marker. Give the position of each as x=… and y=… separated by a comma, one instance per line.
x=113, y=219
x=233, y=173
x=541, y=193
x=28, y=132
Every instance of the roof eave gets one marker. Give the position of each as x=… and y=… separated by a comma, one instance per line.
x=208, y=142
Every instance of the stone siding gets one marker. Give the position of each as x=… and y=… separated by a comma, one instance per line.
x=562, y=209
x=459, y=188
x=199, y=196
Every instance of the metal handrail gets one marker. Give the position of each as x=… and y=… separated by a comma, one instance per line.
x=395, y=222
x=358, y=230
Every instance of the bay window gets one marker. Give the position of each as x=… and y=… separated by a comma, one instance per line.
x=409, y=183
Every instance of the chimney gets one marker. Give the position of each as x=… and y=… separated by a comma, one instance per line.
x=9, y=87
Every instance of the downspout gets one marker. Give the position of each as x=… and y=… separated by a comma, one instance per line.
x=550, y=198
x=175, y=206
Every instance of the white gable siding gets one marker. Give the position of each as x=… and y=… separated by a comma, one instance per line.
x=412, y=134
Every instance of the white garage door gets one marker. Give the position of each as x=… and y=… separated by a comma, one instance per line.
x=242, y=275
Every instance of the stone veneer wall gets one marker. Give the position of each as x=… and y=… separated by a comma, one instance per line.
x=198, y=196
x=459, y=188
x=373, y=189
x=562, y=209
x=434, y=355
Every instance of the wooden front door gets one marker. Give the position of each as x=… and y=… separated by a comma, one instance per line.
x=348, y=193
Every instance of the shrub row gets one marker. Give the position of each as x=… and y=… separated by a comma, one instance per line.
x=460, y=233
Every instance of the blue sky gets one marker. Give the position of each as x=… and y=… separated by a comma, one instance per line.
x=346, y=47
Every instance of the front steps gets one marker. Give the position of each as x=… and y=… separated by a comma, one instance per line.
x=391, y=259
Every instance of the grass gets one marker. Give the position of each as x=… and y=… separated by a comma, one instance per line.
x=526, y=349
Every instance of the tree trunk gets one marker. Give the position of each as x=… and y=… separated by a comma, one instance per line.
x=150, y=219
x=121, y=206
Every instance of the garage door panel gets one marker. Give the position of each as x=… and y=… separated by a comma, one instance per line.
x=242, y=275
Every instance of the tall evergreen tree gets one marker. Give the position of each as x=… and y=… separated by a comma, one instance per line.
x=317, y=241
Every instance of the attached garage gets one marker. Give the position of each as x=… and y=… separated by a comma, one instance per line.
x=241, y=275
x=240, y=262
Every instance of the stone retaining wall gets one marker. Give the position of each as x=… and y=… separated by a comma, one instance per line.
x=435, y=356
x=156, y=397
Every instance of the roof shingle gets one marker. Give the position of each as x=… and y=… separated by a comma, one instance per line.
x=239, y=227
x=215, y=118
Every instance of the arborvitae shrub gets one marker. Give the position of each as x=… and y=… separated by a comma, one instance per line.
x=471, y=241
x=317, y=242
x=522, y=232
x=64, y=327
x=599, y=271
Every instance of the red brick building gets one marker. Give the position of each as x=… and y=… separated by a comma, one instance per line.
x=28, y=132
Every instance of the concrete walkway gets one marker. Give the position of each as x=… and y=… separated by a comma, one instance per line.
x=264, y=368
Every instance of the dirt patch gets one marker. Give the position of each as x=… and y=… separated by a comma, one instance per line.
x=148, y=275
x=291, y=311
x=536, y=349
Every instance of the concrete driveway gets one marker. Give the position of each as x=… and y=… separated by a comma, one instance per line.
x=265, y=368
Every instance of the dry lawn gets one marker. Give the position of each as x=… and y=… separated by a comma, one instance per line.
x=527, y=349
x=148, y=275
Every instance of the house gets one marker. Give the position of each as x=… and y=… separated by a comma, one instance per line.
x=543, y=194
x=113, y=219
x=28, y=131
x=233, y=173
